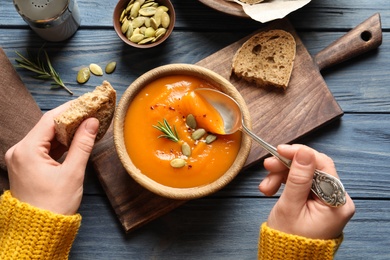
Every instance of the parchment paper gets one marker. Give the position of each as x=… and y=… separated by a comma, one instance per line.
x=271, y=9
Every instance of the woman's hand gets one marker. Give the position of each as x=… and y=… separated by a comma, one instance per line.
x=37, y=178
x=298, y=211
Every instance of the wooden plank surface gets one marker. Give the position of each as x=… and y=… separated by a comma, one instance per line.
x=278, y=117
x=212, y=228
x=227, y=222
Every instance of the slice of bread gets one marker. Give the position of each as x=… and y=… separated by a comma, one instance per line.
x=267, y=59
x=99, y=103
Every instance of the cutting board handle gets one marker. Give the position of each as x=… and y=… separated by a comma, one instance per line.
x=364, y=37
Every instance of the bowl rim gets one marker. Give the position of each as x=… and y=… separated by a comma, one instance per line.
x=117, y=26
x=170, y=192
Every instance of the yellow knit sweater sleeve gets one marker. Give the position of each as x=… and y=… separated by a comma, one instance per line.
x=274, y=244
x=27, y=232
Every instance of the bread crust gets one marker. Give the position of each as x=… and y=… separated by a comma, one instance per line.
x=99, y=103
x=266, y=59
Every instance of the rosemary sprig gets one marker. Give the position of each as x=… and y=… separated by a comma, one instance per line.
x=42, y=68
x=168, y=132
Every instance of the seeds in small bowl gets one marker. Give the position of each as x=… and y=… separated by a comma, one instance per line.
x=144, y=23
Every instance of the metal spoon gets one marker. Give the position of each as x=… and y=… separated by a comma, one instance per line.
x=328, y=188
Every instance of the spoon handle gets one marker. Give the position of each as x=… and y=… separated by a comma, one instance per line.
x=328, y=188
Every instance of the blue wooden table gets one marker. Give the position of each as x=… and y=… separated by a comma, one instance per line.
x=226, y=224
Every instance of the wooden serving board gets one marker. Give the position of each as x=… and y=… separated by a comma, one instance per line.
x=277, y=116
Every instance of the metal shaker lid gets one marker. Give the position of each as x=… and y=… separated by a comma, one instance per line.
x=40, y=9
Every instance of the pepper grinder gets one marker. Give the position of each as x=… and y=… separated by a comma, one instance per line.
x=52, y=20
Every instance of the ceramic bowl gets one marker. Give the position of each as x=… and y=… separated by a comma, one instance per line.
x=122, y=4
x=178, y=193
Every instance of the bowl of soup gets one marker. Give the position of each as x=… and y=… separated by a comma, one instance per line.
x=162, y=133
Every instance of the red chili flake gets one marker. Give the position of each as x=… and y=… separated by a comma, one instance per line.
x=172, y=108
x=189, y=166
x=204, y=115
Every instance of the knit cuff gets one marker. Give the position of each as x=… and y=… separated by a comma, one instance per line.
x=27, y=232
x=274, y=244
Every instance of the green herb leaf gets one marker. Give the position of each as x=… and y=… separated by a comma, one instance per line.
x=42, y=68
x=168, y=132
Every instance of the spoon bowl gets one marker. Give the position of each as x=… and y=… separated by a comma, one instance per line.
x=328, y=188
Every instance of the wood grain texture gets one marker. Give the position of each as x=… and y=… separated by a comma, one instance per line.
x=225, y=225
x=211, y=228
x=318, y=15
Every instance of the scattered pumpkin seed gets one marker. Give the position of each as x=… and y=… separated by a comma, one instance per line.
x=178, y=163
x=110, y=67
x=210, y=138
x=186, y=149
x=198, y=133
x=83, y=75
x=95, y=69
x=191, y=121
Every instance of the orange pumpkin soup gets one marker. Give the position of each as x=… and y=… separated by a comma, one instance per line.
x=171, y=98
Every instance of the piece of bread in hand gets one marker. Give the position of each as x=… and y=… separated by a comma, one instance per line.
x=99, y=103
x=267, y=59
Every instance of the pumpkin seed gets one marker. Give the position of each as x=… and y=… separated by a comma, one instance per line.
x=154, y=23
x=130, y=31
x=210, y=138
x=128, y=8
x=186, y=149
x=83, y=75
x=147, y=11
x=160, y=32
x=165, y=20
x=198, y=133
x=135, y=9
x=125, y=26
x=146, y=40
x=178, y=163
x=158, y=37
x=150, y=32
x=149, y=4
x=122, y=15
x=164, y=8
x=137, y=37
x=158, y=15
x=191, y=121
x=96, y=69
x=147, y=21
x=138, y=21
x=142, y=30
x=110, y=67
